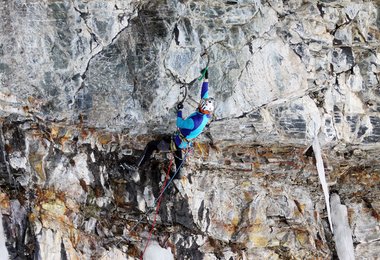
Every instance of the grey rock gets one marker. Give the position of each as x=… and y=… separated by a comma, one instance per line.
x=84, y=85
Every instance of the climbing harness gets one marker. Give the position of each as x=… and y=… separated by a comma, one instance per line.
x=182, y=137
x=173, y=146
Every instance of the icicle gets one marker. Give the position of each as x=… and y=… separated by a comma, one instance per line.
x=322, y=178
x=342, y=234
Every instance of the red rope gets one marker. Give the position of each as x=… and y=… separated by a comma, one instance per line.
x=157, y=209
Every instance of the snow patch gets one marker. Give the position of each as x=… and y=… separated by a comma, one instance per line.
x=155, y=252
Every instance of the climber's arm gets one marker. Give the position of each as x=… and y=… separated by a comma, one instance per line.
x=184, y=123
x=204, y=92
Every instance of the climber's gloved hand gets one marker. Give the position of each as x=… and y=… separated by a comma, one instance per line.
x=205, y=73
x=179, y=106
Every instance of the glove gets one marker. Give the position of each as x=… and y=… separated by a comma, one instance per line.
x=179, y=106
x=206, y=74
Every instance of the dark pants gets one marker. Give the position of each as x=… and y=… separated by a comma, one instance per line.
x=161, y=145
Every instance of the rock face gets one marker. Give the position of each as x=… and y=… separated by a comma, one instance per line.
x=84, y=85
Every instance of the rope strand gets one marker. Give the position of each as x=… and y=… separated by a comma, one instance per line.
x=157, y=209
x=167, y=185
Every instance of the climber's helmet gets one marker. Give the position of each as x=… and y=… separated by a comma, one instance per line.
x=206, y=106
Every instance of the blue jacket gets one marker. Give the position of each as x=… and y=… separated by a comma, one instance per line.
x=192, y=126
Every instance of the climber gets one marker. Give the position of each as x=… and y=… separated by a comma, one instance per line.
x=188, y=129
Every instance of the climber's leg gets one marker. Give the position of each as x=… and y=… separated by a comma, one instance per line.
x=178, y=163
x=148, y=151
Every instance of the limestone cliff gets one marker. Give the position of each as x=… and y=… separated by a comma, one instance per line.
x=84, y=85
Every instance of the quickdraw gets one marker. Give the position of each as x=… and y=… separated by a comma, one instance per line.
x=183, y=93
